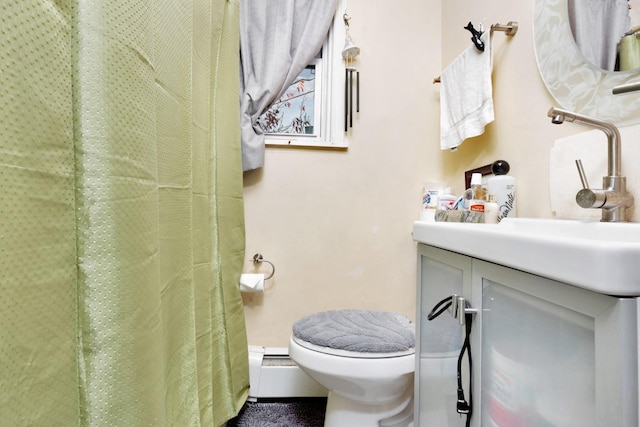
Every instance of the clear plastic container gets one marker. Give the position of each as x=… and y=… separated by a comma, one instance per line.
x=474, y=196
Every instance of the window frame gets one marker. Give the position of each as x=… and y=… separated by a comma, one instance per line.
x=329, y=85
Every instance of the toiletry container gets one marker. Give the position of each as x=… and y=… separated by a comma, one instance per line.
x=430, y=194
x=503, y=186
x=491, y=210
x=475, y=194
x=446, y=200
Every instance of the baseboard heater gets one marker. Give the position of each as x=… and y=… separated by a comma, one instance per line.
x=272, y=374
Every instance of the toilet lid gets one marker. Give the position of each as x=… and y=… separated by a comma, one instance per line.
x=351, y=354
x=362, y=331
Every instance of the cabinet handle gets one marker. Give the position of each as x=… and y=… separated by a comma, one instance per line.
x=457, y=306
x=462, y=308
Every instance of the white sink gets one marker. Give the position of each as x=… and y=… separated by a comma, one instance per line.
x=602, y=257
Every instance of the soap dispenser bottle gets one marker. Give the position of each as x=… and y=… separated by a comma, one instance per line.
x=504, y=188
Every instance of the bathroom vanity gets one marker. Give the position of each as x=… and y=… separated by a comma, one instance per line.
x=546, y=349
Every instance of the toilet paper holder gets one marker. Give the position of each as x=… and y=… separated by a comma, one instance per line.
x=257, y=259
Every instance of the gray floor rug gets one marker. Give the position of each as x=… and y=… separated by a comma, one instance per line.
x=290, y=413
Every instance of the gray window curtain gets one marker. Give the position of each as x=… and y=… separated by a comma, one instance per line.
x=278, y=38
x=597, y=27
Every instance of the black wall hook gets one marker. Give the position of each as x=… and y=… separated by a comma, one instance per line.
x=475, y=36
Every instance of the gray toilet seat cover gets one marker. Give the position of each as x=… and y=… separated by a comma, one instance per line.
x=357, y=330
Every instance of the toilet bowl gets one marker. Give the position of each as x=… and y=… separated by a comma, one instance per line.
x=366, y=361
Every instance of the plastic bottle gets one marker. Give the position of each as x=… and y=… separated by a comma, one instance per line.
x=446, y=200
x=503, y=187
x=475, y=194
x=491, y=210
x=430, y=194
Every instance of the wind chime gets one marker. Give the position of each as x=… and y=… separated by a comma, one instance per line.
x=349, y=53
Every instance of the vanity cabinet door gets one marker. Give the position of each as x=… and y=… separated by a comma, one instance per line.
x=438, y=342
x=550, y=354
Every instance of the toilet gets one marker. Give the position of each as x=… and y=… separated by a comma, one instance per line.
x=366, y=361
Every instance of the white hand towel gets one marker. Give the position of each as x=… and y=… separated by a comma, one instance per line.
x=466, y=103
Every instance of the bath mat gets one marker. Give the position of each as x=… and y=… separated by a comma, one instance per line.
x=307, y=412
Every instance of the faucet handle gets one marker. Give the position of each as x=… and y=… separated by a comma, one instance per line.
x=583, y=176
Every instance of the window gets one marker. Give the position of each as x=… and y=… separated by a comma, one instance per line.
x=298, y=111
x=310, y=112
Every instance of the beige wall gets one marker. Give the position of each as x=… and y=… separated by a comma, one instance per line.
x=337, y=224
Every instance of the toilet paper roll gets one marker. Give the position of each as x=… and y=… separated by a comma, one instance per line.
x=252, y=283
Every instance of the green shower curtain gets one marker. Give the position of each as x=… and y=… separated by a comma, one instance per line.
x=121, y=213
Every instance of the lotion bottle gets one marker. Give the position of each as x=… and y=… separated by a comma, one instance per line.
x=503, y=187
x=491, y=210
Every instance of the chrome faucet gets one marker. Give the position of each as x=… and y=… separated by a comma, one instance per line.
x=613, y=198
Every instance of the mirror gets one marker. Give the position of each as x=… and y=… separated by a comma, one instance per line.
x=573, y=82
x=599, y=27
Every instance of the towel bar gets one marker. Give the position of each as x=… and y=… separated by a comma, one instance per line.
x=510, y=29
